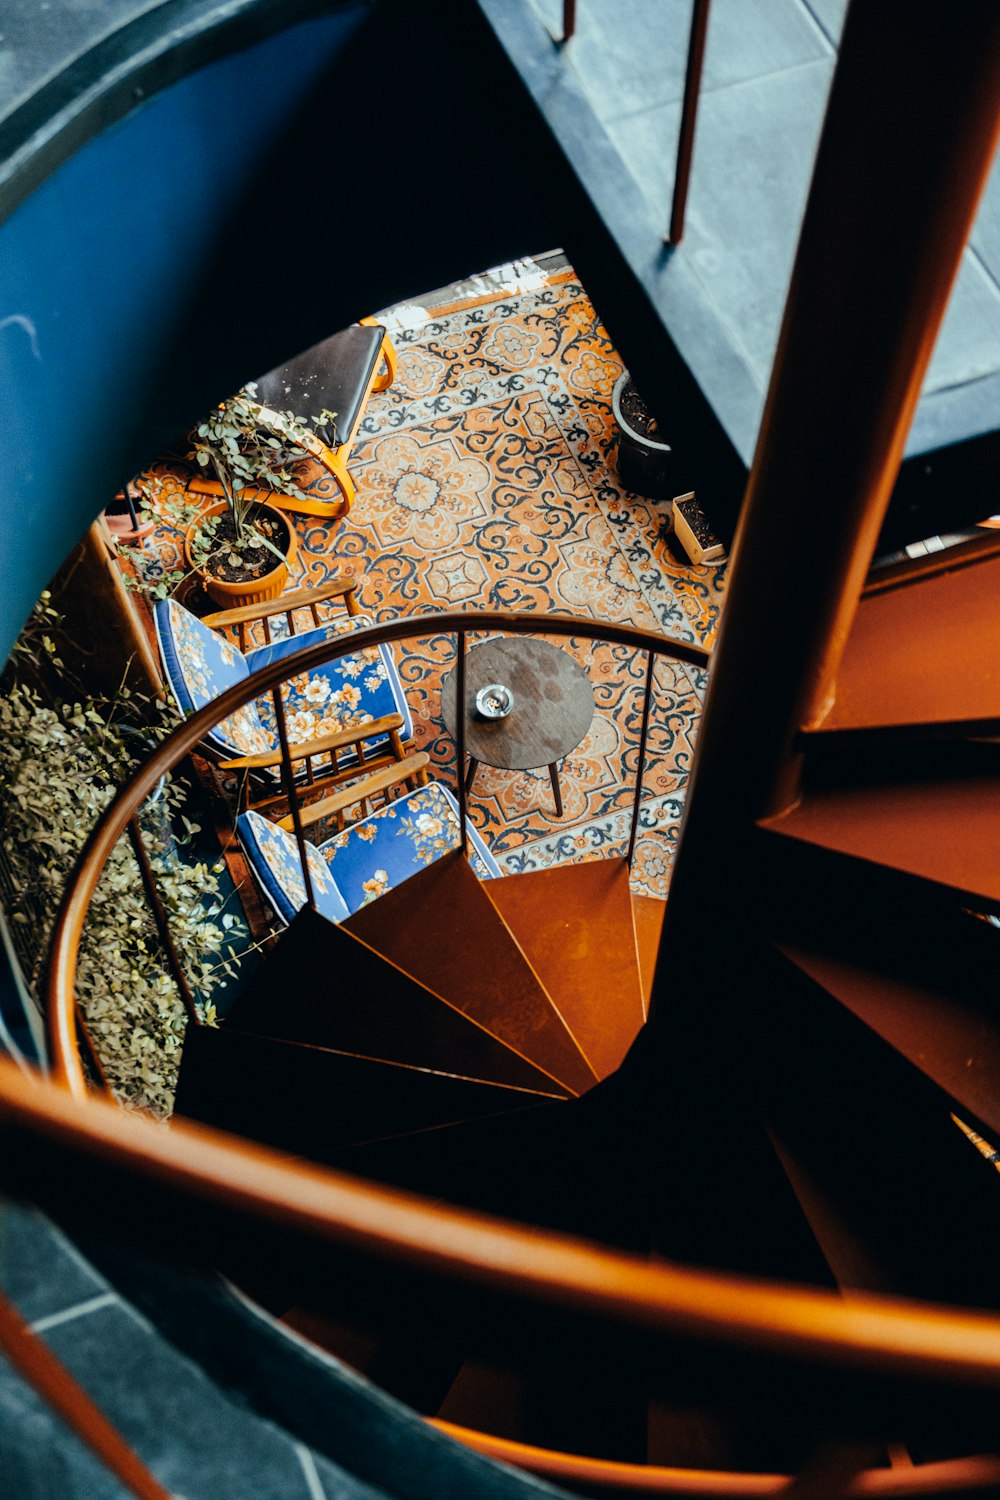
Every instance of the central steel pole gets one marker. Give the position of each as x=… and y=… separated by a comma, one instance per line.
x=907, y=145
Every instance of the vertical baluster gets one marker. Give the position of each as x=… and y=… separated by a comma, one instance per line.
x=44, y=1373
x=640, y=768
x=460, y=736
x=689, y=119
x=569, y=19
x=86, y=1041
x=160, y=918
x=288, y=778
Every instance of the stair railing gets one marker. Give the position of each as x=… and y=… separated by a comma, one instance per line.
x=69, y=1143
x=65, y=1020
x=85, y=1158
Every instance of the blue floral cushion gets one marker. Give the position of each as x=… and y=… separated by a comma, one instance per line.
x=381, y=851
x=365, y=860
x=351, y=691
x=199, y=665
x=274, y=856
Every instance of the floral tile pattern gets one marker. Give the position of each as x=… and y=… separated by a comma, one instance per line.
x=486, y=479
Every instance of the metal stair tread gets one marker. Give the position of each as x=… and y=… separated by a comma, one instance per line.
x=941, y=826
x=648, y=913
x=315, y=1102
x=441, y=928
x=923, y=655
x=919, y=995
x=326, y=986
x=576, y=923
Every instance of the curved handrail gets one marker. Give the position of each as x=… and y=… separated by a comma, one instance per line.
x=955, y=1476
x=855, y=1331
x=914, y=1341
x=61, y=1009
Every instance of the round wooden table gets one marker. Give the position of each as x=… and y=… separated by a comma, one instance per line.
x=553, y=707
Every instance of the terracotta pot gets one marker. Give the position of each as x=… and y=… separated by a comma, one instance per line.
x=119, y=520
x=253, y=591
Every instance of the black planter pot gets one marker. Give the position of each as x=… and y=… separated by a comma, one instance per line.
x=645, y=464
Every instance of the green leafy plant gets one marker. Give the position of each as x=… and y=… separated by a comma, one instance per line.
x=61, y=763
x=248, y=448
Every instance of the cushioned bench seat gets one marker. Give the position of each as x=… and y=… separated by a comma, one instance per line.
x=343, y=694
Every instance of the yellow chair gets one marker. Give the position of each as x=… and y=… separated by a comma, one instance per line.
x=337, y=375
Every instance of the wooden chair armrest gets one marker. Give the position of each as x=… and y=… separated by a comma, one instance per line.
x=359, y=791
x=321, y=746
x=346, y=583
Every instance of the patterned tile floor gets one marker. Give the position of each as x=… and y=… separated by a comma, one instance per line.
x=486, y=479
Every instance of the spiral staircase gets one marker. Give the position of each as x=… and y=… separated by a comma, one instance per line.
x=485, y=1045
x=750, y=1238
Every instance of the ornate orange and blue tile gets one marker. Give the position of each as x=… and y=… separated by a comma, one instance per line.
x=486, y=479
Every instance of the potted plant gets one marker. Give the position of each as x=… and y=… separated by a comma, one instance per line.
x=122, y=518
x=241, y=546
x=645, y=459
x=63, y=753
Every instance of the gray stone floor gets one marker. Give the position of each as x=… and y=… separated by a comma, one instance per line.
x=767, y=72
x=39, y=37
x=215, y=1398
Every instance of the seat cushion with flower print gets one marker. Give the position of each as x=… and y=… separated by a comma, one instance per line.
x=367, y=859
x=379, y=852
x=274, y=856
x=200, y=664
x=342, y=694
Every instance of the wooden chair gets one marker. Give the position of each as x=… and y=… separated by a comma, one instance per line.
x=337, y=375
x=344, y=719
x=363, y=859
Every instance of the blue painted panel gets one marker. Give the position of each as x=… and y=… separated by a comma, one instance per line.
x=97, y=269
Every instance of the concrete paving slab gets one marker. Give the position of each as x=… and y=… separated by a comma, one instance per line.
x=985, y=238
x=968, y=346
x=753, y=158
x=631, y=55
x=829, y=16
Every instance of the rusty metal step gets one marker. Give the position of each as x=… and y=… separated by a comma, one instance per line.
x=924, y=657
x=575, y=923
x=933, y=813
x=862, y=1119
x=648, y=913
x=314, y=1102
x=325, y=987
x=921, y=978
x=441, y=927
